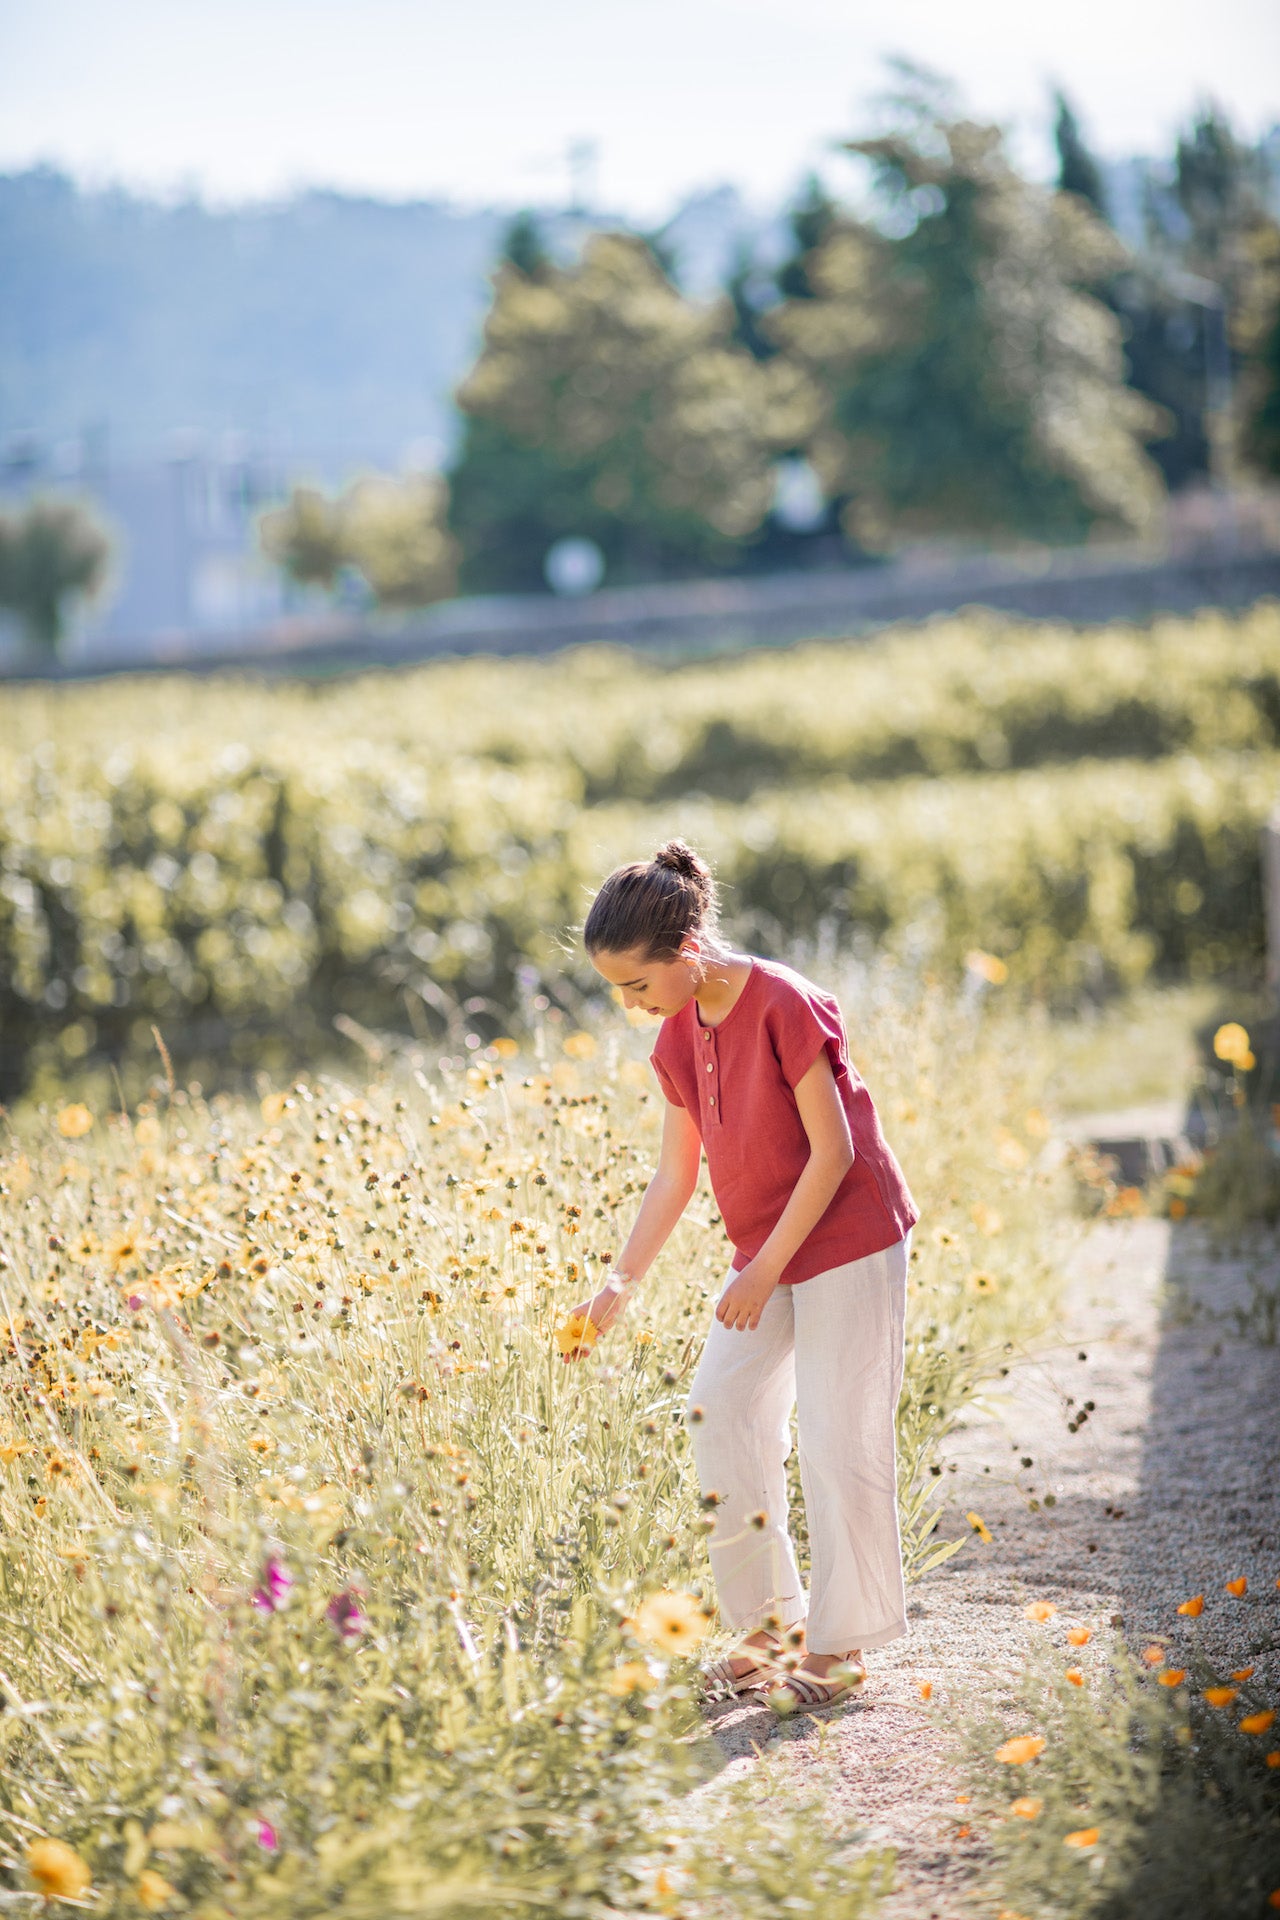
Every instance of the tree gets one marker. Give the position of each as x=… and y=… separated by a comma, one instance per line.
x=52, y=551
x=522, y=246
x=972, y=382
x=1078, y=171
x=1257, y=338
x=397, y=538
x=605, y=405
x=393, y=532
x=306, y=537
x=813, y=217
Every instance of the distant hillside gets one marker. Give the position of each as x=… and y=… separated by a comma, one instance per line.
x=325, y=327
x=328, y=330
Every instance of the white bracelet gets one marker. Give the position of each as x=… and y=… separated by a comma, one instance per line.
x=616, y=1281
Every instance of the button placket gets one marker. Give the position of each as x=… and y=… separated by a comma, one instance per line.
x=711, y=1067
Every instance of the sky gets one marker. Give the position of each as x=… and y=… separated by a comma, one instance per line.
x=480, y=102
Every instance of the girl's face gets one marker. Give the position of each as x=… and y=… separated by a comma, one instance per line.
x=659, y=986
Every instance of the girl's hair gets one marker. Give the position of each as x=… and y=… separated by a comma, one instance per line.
x=653, y=904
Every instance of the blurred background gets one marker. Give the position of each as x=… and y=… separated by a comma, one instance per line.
x=351, y=358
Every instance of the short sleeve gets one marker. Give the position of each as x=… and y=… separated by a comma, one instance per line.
x=665, y=1081
x=804, y=1025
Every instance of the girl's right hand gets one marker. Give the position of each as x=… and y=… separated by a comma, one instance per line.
x=602, y=1310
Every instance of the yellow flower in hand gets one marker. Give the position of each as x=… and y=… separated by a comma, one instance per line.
x=578, y=1334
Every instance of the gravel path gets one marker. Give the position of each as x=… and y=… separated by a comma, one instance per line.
x=1169, y=1488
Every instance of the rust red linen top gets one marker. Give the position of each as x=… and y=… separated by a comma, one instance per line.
x=737, y=1079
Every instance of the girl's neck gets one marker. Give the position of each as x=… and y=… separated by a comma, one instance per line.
x=718, y=994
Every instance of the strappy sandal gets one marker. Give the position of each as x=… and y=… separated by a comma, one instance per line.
x=720, y=1682
x=803, y=1692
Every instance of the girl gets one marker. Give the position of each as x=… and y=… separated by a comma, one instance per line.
x=754, y=1064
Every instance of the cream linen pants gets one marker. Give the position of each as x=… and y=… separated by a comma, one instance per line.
x=832, y=1347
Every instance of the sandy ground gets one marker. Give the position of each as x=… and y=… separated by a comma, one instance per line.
x=1169, y=1488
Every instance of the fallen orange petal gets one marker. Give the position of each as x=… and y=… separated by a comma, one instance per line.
x=1243, y=1673
x=1082, y=1837
x=1195, y=1606
x=1039, y=1610
x=963, y=1799
x=1237, y=1586
x=1172, y=1676
x=1078, y=1636
x=1075, y=1676
x=1273, y=1758
x=1258, y=1722
x=1153, y=1655
x=1220, y=1696
x=926, y=1689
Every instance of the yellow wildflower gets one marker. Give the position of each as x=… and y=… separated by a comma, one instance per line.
x=1231, y=1043
x=631, y=1677
x=58, y=1870
x=672, y=1622
x=578, y=1334
x=154, y=1891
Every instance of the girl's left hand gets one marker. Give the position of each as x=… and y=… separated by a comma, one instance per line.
x=745, y=1298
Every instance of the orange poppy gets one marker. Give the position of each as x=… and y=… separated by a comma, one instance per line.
x=1027, y=1806
x=1243, y=1673
x=1075, y=1676
x=926, y=1689
x=1195, y=1606
x=1258, y=1722
x=1172, y=1676
x=1153, y=1655
x=1039, y=1610
x=1220, y=1696
x=1078, y=1636
x=1237, y=1586
x=1016, y=1753
x=1082, y=1837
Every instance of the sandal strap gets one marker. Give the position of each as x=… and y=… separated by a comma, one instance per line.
x=811, y=1691
x=760, y=1673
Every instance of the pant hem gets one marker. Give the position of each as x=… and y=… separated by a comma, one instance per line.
x=866, y=1641
x=789, y=1611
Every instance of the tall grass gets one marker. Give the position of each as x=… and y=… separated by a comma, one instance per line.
x=323, y=1581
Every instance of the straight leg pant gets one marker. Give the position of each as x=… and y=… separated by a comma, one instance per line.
x=832, y=1347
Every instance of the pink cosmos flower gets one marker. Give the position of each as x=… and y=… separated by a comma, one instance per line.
x=344, y=1615
x=276, y=1582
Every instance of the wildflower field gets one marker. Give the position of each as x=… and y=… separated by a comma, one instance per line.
x=326, y=1585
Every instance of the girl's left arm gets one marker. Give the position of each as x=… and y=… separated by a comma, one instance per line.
x=830, y=1158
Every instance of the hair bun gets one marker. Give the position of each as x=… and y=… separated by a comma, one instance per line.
x=676, y=857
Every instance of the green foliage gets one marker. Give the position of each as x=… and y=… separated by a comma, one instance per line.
x=306, y=537
x=392, y=531
x=320, y=1332
x=240, y=867
x=51, y=551
x=972, y=382
x=1078, y=171
x=605, y=405
x=1182, y=1799
x=522, y=246
x=1257, y=336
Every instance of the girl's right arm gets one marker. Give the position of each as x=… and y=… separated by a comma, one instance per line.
x=666, y=1197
